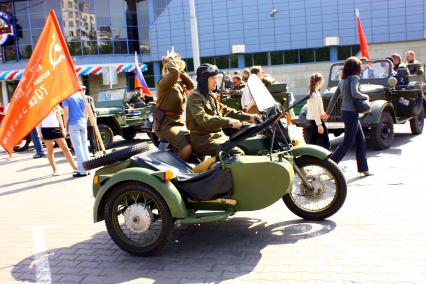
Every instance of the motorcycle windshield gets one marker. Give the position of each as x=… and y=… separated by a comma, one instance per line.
x=259, y=93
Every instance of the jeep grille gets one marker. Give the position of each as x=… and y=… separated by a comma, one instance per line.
x=335, y=113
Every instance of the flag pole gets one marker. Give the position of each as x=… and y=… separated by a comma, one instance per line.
x=92, y=120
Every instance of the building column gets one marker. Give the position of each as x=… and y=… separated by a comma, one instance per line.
x=4, y=95
x=241, y=61
x=333, y=54
x=157, y=71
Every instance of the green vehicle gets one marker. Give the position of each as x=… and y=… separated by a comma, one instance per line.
x=278, y=91
x=114, y=117
x=390, y=104
x=143, y=195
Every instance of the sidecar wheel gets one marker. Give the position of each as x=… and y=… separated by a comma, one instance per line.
x=328, y=194
x=138, y=219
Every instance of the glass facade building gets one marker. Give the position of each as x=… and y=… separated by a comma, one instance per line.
x=273, y=32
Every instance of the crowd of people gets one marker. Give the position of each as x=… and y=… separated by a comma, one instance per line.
x=201, y=131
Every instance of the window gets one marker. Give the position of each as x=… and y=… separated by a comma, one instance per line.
x=307, y=55
x=343, y=52
x=10, y=53
x=291, y=57
x=260, y=58
x=222, y=62
x=74, y=47
x=189, y=64
x=25, y=51
x=207, y=60
x=120, y=47
x=322, y=54
x=248, y=58
x=105, y=47
x=355, y=49
x=233, y=58
x=277, y=58
x=89, y=48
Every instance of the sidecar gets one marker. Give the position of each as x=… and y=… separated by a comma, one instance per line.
x=143, y=198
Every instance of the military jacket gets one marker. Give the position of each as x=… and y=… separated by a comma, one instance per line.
x=208, y=114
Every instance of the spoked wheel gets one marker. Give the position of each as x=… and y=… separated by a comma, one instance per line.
x=138, y=219
x=328, y=191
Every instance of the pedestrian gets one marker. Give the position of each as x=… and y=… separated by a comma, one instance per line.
x=348, y=88
x=169, y=122
x=37, y=144
x=53, y=130
x=75, y=120
x=319, y=132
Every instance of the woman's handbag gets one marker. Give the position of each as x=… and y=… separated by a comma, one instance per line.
x=362, y=106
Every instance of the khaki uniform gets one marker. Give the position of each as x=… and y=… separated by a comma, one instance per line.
x=170, y=100
x=205, y=118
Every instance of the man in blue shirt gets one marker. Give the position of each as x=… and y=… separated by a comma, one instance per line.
x=75, y=120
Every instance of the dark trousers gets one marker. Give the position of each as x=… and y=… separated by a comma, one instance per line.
x=36, y=141
x=319, y=139
x=353, y=133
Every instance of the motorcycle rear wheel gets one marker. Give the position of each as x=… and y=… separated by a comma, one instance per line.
x=328, y=194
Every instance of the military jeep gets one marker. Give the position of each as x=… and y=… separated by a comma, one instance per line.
x=114, y=117
x=390, y=103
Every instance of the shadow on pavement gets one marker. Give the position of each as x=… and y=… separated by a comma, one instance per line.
x=199, y=253
x=34, y=186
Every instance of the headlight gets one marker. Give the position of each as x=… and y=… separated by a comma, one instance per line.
x=151, y=118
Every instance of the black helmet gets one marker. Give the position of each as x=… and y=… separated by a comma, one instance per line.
x=205, y=71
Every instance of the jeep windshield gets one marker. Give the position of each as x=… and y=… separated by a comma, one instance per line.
x=110, y=95
x=370, y=70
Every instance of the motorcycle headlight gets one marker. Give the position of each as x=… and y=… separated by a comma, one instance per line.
x=151, y=118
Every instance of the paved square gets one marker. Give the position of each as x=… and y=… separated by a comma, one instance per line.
x=47, y=234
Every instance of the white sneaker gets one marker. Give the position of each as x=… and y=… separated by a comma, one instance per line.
x=55, y=174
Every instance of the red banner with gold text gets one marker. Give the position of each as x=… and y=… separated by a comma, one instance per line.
x=48, y=79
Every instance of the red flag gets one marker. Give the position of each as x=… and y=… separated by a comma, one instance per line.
x=362, y=40
x=48, y=79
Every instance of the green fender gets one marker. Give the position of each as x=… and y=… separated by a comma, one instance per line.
x=166, y=189
x=377, y=108
x=310, y=150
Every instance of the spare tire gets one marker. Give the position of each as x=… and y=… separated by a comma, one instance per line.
x=115, y=156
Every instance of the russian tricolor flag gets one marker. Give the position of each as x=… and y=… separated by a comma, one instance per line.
x=139, y=79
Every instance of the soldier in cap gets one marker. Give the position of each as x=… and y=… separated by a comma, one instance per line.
x=168, y=119
x=206, y=116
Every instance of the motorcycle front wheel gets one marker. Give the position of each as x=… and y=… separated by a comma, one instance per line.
x=326, y=195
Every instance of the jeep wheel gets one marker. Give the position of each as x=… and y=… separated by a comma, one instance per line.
x=417, y=123
x=381, y=137
x=106, y=134
x=115, y=156
x=129, y=133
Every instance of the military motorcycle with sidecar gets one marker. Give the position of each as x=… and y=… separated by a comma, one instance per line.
x=143, y=195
